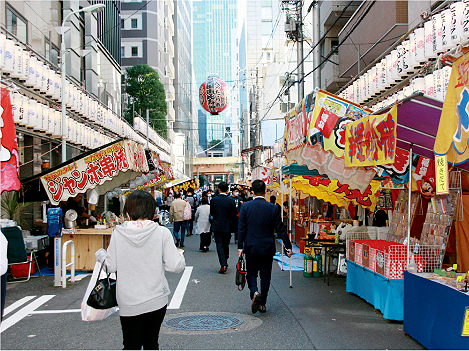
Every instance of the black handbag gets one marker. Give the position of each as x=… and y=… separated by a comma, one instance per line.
x=103, y=295
x=240, y=278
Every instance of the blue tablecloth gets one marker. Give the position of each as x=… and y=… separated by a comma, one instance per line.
x=386, y=295
x=434, y=313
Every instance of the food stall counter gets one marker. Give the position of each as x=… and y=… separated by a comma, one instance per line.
x=87, y=242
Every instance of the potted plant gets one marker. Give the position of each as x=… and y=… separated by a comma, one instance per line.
x=12, y=209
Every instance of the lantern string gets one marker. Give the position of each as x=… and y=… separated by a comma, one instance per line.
x=37, y=157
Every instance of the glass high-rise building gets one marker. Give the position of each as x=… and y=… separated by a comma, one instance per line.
x=214, y=31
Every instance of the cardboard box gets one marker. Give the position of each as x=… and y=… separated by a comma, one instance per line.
x=38, y=242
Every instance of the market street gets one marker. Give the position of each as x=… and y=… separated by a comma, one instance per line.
x=311, y=315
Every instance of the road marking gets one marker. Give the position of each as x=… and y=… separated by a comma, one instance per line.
x=15, y=318
x=17, y=304
x=180, y=289
x=55, y=311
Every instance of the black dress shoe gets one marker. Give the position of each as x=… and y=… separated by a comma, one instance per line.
x=262, y=309
x=177, y=242
x=222, y=270
x=255, y=302
x=181, y=246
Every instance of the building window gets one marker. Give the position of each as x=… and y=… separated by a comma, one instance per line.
x=134, y=51
x=17, y=26
x=122, y=51
x=133, y=23
x=122, y=24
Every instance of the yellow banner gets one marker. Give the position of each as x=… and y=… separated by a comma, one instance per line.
x=453, y=132
x=441, y=173
x=371, y=141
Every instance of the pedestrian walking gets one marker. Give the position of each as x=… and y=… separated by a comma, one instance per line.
x=238, y=202
x=3, y=271
x=223, y=212
x=191, y=198
x=256, y=240
x=141, y=251
x=202, y=218
x=176, y=215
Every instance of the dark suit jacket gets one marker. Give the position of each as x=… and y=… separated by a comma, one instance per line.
x=257, y=221
x=223, y=211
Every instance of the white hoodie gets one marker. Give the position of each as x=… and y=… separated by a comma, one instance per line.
x=140, y=256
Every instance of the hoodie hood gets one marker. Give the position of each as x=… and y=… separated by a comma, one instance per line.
x=134, y=235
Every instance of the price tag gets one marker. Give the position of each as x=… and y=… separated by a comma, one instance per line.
x=459, y=278
x=455, y=267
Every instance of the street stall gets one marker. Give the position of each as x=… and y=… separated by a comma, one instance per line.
x=101, y=170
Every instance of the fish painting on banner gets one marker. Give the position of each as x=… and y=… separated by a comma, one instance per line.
x=453, y=131
x=330, y=116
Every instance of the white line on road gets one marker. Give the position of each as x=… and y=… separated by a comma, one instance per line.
x=180, y=290
x=17, y=304
x=7, y=323
x=55, y=311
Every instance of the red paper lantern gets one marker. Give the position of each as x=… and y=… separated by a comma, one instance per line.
x=214, y=95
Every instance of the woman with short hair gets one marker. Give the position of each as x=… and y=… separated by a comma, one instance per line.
x=140, y=251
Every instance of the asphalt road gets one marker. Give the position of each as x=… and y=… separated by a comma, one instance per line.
x=311, y=315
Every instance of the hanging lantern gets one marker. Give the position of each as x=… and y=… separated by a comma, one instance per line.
x=39, y=116
x=465, y=20
x=50, y=82
x=25, y=73
x=3, y=38
x=406, y=65
x=395, y=66
x=57, y=91
x=17, y=62
x=437, y=34
x=438, y=79
x=31, y=80
x=374, y=80
x=445, y=75
x=358, y=91
x=363, y=82
x=457, y=13
x=9, y=54
x=412, y=49
x=44, y=78
x=428, y=28
x=350, y=95
x=57, y=123
x=214, y=95
x=419, y=46
x=419, y=85
x=446, y=18
x=16, y=105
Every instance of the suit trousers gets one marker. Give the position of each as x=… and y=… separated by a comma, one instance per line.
x=223, y=241
x=142, y=330
x=262, y=265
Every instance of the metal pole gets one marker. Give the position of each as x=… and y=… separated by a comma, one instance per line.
x=409, y=203
x=300, y=56
x=317, y=53
x=290, y=226
x=148, y=123
x=258, y=127
x=358, y=62
x=281, y=201
x=64, y=106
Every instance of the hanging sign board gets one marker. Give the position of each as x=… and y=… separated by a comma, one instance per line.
x=441, y=172
x=103, y=170
x=371, y=140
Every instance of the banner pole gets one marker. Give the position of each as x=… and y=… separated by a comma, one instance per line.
x=409, y=204
x=281, y=213
x=290, y=231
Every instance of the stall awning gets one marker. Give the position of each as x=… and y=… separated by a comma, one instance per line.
x=103, y=169
x=296, y=170
x=418, y=118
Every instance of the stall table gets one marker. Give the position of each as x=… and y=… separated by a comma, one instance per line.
x=331, y=249
x=434, y=313
x=87, y=242
x=386, y=295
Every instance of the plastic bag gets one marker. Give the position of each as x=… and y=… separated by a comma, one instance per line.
x=89, y=313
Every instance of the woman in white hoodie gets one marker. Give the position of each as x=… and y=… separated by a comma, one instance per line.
x=140, y=251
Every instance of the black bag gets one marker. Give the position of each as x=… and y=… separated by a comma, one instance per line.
x=103, y=295
x=240, y=278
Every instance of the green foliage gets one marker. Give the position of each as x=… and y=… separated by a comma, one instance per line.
x=218, y=143
x=143, y=85
x=12, y=209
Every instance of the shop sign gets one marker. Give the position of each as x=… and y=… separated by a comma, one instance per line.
x=371, y=140
x=328, y=120
x=326, y=162
x=295, y=127
x=93, y=170
x=193, y=183
x=9, y=148
x=441, y=172
x=159, y=180
x=263, y=173
x=453, y=131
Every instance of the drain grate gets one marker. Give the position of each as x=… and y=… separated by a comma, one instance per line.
x=203, y=322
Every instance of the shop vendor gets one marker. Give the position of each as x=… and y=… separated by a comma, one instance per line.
x=74, y=203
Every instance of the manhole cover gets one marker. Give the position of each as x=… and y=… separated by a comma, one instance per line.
x=203, y=322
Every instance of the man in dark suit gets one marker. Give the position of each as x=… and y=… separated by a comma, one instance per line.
x=223, y=212
x=256, y=239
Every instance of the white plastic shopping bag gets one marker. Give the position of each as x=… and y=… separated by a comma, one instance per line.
x=89, y=313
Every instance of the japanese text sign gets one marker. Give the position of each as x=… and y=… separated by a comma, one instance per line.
x=94, y=170
x=441, y=173
x=371, y=140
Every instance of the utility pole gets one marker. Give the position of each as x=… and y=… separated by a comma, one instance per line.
x=300, y=56
x=258, y=127
x=316, y=52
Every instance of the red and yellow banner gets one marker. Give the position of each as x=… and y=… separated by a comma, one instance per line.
x=296, y=126
x=104, y=170
x=371, y=140
x=453, y=131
